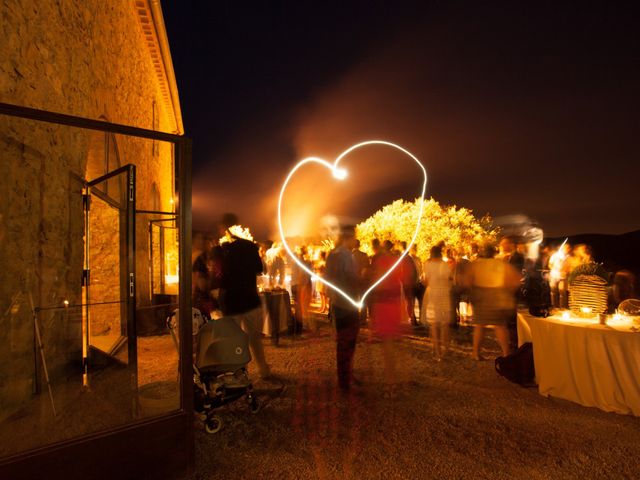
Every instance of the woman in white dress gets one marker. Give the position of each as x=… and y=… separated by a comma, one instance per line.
x=437, y=277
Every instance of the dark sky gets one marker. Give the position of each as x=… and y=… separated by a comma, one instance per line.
x=513, y=107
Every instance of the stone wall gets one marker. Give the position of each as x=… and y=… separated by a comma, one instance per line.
x=85, y=58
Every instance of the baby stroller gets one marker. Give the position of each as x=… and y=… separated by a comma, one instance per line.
x=219, y=372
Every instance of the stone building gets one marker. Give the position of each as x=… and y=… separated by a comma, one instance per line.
x=103, y=60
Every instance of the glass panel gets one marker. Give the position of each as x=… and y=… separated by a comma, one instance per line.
x=41, y=245
x=69, y=364
x=106, y=292
x=156, y=316
x=163, y=238
x=109, y=161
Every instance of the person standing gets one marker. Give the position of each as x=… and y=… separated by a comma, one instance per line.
x=450, y=257
x=301, y=292
x=239, y=293
x=419, y=287
x=203, y=279
x=510, y=254
x=318, y=268
x=493, y=285
x=376, y=247
x=559, y=271
x=361, y=260
x=437, y=276
x=459, y=291
x=341, y=271
x=410, y=279
x=387, y=309
x=277, y=268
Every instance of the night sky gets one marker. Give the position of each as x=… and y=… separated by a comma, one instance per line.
x=531, y=108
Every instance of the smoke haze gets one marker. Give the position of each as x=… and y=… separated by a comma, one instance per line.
x=510, y=109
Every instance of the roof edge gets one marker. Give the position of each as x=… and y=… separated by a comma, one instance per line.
x=157, y=40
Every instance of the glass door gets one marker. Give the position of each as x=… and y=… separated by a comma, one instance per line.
x=109, y=276
x=163, y=254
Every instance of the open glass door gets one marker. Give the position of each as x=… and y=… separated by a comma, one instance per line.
x=109, y=276
x=83, y=392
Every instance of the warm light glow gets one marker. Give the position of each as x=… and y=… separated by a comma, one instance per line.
x=236, y=231
x=566, y=315
x=586, y=310
x=556, y=261
x=66, y=303
x=340, y=174
x=272, y=253
x=623, y=321
x=171, y=259
x=465, y=309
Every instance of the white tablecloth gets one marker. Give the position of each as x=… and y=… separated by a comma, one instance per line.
x=590, y=364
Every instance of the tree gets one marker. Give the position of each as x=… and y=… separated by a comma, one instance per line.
x=457, y=227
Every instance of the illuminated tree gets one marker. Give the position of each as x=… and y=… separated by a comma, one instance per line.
x=457, y=227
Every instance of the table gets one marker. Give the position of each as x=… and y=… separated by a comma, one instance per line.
x=585, y=362
x=276, y=309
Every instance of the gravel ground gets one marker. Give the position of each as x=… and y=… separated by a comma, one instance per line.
x=454, y=419
x=106, y=404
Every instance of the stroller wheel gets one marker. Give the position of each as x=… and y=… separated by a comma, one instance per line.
x=254, y=405
x=213, y=424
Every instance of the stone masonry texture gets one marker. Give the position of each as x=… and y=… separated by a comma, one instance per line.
x=90, y=59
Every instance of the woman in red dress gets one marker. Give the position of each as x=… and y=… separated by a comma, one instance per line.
x=387, y=306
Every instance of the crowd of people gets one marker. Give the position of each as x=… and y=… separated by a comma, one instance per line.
x=554, y=267
x=437, y=285
x=492, y=278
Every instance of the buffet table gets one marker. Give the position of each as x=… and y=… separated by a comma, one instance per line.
x=585, y=362
x=276, y=309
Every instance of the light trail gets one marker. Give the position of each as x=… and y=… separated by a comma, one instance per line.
x=341, y=174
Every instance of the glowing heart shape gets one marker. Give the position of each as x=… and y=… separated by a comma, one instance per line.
x=341, y=174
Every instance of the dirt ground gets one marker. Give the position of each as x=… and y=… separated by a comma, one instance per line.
x=454, y=419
